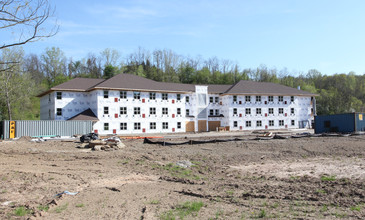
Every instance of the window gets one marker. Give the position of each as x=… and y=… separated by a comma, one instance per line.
x=178, y=125
x=281, y=111
x=123, y=110
x=152, y=125
x=187, y=99
x=281, y=122
x=178, y=97
x=59, y=111
x=152, y=96
x=211, y=99
x=106, y=126
x=49, y=113
x=216, y=99
x=235, y=111
x=165, y=125
x=292, y=111
x=152, y=111
x=271, y=122
x=178, y=111
x=123, y=94
x=58, y=94
x=164, y=96
x=248, y=124
x=271, y=111
x=187, y=112
x=234, y=98
x=258, y=123
x=137, y=95
x=137, y=126
x=281, y=98
x=248, y=111
x=258, y=111
x=106, y=110
x=211, y=112
x=137, y=111
x=106, y=94
x=258, y=98
x=217, y=112
x=235, y=124
x=293, y=122
x=248, y=98
x=271, y=98
x=165, y=111
x=291, y=98
x=123, y=126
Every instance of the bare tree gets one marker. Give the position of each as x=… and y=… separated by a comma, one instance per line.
x=26, y=20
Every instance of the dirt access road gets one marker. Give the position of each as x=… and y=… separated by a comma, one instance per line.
x=306, y=178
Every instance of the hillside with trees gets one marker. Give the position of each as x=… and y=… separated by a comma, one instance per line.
x=23, y=76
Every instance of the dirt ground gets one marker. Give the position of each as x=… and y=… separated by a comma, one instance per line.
x=306, y=178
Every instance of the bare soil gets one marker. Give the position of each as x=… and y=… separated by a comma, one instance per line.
x=306, y=178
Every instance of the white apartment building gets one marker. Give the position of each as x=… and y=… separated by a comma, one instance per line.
x=129, y=104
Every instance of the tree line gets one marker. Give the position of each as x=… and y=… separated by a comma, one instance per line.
x=23, y=76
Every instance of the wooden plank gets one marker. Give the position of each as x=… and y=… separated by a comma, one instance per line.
x=190, y=126
x=213, y=125
x=202, y=125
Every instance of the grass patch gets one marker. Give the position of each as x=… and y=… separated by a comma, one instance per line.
x=22, y=211
x=61, y=208
x=356, y=208
x=154, y=202
x=43, y=208
x=123, y=162
x=80, y=205
x=183, y=210
x=328, y=178
x=180, y=172
x=321, y=191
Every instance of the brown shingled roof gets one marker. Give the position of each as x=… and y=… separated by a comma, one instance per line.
x=134, y=82
x=87, y=115
x=264, y=88
x=77, y=84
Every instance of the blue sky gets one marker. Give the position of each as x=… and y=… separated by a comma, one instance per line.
x=300, y=35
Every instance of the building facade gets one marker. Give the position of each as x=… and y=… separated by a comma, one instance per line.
x=129, y=104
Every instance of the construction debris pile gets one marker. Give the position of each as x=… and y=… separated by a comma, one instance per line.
x=108, y=144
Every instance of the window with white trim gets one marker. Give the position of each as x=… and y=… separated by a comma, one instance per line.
x=178, y=97
x=211, y=112
x=137, y=110
x=258, y=98
x=258, y=111
x=137, y=95
x=248, y=111
x=106, y=110
x=123, y=126
x=234, y=98
x=165, y=96
x=59, y=112
x=187, y=112
x=271, y=123
x=152, y=96
x=123, y=110
x=248, y=124
x=106, y=94
x=281, y=98
x=235, y=111
x=178, y=125
x=281, y=111
x=217, y=112
x=271, y=111
x=248, y=98
x=258, y=123
x=271, y=98
x=106, y=126
x=58, y=95
x=187, y=99
x=152, y=111
x=137, y=126
x=178, y=111
x=235, y=124
x=292, y=111
x=123, y=94
x=281, y=123
x=152, y=125
x=165, y=111
x=216, y=99
x=292, y=122
x=165, y=125
x=211, y=99
x=291, y=98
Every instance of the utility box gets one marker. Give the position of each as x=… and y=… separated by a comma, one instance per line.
x=341, y=123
